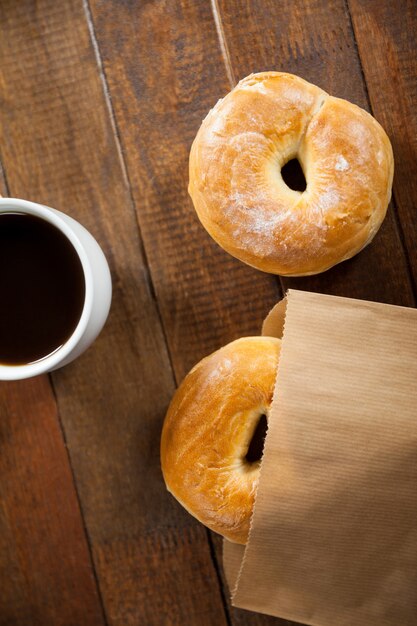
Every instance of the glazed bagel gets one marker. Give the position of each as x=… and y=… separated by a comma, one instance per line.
x=239, y=193
x=207, y=458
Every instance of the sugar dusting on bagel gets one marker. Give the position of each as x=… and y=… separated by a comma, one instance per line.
x=208, y=431
x=241, y=198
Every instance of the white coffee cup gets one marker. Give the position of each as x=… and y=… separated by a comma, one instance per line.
x=98, y=289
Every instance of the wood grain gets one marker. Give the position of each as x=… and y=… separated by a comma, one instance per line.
x=314, y=39
x=59, y=148
x=392, y=87
x=45, y=568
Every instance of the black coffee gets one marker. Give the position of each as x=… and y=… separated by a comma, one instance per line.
x=42, y=288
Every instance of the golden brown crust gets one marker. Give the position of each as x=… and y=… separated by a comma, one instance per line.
x=241, y=199
x=207, y=431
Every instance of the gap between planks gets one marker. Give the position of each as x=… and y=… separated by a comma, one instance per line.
x=224, y=48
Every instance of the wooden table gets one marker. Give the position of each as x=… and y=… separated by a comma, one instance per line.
x=99, y=103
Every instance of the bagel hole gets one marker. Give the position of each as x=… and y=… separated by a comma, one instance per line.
x=256, y=445
x=293, y=175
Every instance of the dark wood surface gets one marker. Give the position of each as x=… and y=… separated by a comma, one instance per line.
x=99, y=104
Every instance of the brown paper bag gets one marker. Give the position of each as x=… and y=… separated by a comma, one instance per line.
x=334, y=532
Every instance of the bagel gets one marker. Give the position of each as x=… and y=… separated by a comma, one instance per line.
x=241, y=198
x=208, y=450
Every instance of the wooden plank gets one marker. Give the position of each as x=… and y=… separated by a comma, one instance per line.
x=45, y=566
x=206, y=297
x=164, y=70
x=390, y=67
x=59, y=148
x=314, y=39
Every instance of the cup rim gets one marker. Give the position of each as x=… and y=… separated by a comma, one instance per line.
x=51, y=361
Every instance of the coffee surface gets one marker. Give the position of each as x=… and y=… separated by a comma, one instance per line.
x=42, y=288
